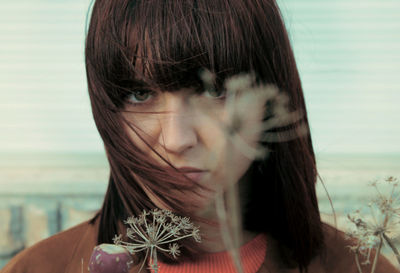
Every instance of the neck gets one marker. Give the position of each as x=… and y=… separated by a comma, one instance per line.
x=213, y=240
x=213, y=237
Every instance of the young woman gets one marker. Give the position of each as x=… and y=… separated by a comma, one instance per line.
x=166, y=130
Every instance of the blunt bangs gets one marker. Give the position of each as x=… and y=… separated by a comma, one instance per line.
x=175, y=40
x=164, y=45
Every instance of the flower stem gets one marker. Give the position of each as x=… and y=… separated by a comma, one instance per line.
x=144, y=261
x=378, y=251
x=358, y=263
x=155, y=262
x=392, y=246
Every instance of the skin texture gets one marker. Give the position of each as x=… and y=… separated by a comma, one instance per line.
x=189, y=130
x=187, y=135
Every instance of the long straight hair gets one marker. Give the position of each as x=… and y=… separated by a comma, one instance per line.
x=131, y=43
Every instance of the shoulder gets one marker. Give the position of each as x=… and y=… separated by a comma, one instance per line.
x=50, y=255
x=338, y=257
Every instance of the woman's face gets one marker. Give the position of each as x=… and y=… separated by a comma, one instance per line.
x=193, y=132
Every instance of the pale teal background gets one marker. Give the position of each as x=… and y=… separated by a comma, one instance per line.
x=348, y=52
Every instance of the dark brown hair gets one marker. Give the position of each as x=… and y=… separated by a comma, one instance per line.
x=131, y=43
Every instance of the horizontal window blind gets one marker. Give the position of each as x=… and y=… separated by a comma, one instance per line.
x=348, y=54
x=43, y=94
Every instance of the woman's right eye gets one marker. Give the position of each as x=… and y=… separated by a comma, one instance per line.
x=139, y=97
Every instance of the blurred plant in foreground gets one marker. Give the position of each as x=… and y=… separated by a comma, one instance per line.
x=255, y=115
x=380, y=226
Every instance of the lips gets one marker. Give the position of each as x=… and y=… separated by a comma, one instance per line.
x=193, y=173
x=190, y=170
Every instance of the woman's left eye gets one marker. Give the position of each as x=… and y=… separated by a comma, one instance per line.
x=215, y=93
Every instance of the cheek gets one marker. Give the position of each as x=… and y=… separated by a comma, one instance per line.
x=240, y=164
x=147, y=127
x=231, y=167
x=213, y=143
x=224, y=157
x=251, y=123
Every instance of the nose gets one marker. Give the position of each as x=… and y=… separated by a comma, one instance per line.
x=178, y=132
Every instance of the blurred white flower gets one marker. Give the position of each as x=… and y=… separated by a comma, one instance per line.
x=381, y=222
x=245, y=107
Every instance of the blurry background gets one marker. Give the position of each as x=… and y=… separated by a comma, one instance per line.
x=53, y=171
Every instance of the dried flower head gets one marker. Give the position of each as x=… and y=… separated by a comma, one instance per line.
x=153, y=231
x=245, y=102
x=380, y=224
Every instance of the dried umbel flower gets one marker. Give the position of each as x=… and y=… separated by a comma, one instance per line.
x=157, y=230
x=376, y=228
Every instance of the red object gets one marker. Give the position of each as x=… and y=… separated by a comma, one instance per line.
x=109, y=258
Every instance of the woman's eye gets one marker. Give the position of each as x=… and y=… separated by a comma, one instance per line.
x=214, y=93
x=140, y=96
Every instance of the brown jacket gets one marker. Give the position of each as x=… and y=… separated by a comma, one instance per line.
x=70, y=250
